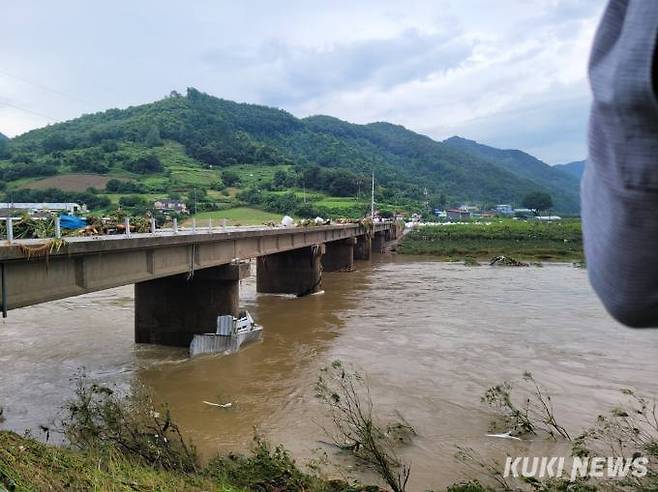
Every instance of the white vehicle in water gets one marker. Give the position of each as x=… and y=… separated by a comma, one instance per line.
x=230, y=335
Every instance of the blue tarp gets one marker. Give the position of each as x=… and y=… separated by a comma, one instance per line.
x=72, y=222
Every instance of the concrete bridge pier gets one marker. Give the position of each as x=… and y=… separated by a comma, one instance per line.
x=170, y=310
x=378, y=242
x=339, y=255
x=362, y=247
x=298, y=271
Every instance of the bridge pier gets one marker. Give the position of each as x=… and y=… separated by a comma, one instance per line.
x=339, y=255
x=298, y=271
x=170, y=310
x=378, y=241
x=362, y=247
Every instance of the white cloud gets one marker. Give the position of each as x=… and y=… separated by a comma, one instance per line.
x=505, y=72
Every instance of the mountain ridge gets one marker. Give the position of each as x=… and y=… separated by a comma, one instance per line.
x=563, y=187
x=574, y=168
x=216, y=133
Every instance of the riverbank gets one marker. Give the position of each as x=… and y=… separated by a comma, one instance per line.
x=538, y=241
x=27, y=464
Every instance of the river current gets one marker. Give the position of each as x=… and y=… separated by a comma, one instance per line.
x=431, y=337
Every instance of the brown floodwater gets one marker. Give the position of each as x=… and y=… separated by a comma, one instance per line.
x=431, y=337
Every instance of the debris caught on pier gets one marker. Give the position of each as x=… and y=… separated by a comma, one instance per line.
x=231, y=333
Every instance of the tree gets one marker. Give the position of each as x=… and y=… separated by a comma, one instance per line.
x=4, y=147
x=280, y=180
x=56, y=141
x=148, y=164
x=153, y=137
x=230, y=178
x=538, y=201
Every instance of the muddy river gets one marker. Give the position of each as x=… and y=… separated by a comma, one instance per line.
x=431, y=337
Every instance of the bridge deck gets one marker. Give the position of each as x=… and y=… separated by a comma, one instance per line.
x=167, y=238
x=87, y=264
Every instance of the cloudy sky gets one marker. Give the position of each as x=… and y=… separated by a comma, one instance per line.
x=509, y=73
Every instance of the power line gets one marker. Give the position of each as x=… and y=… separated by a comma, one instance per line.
x=29, y=111
x=45, y=87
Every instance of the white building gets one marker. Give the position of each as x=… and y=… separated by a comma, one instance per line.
x=505, y=209
x=46, y=206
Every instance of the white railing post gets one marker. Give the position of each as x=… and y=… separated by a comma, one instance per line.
x=224, y=223
x=127, y=225
x=58, y=228
x=175, y=225
x=194, y=224
x=152, y=225
x=209, y=224
x=10, y=229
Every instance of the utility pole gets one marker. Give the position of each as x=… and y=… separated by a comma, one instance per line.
x=372, y=197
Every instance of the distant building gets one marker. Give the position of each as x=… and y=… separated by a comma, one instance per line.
x=456, y=214
x=505, y=209
x=548, y=218
x=524, y=213
x=170, y=206
x=33, y=207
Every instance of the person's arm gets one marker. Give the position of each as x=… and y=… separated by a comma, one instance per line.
x=619, y=190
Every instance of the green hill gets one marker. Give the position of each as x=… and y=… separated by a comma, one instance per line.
x=4, y=146
x=564, y=188
x=576, y=168
x=210, y=146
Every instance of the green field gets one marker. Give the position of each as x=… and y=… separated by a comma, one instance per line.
x=559, y=241
x=255, y=175
x=236, y=216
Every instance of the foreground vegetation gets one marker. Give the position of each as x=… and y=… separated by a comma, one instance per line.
x=558, y=241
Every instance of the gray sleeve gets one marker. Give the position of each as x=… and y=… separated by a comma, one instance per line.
x=619, y=190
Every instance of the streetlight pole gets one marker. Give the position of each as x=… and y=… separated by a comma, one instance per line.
x=372, y=197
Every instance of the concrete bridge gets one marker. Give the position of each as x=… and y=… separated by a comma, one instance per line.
x=183, y=278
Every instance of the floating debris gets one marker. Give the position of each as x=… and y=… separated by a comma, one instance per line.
x=507, y=261
x=505, y=435
x=219, y=405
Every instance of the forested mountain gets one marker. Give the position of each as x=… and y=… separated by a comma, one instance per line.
x=564, y=188
x=151, y=142
x=576, y=168
x=4, y=146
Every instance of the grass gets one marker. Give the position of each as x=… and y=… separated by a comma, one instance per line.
x=29, y=465
x=150, y=197
x=236, y=216
x=560, y=241
x=252, y=175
